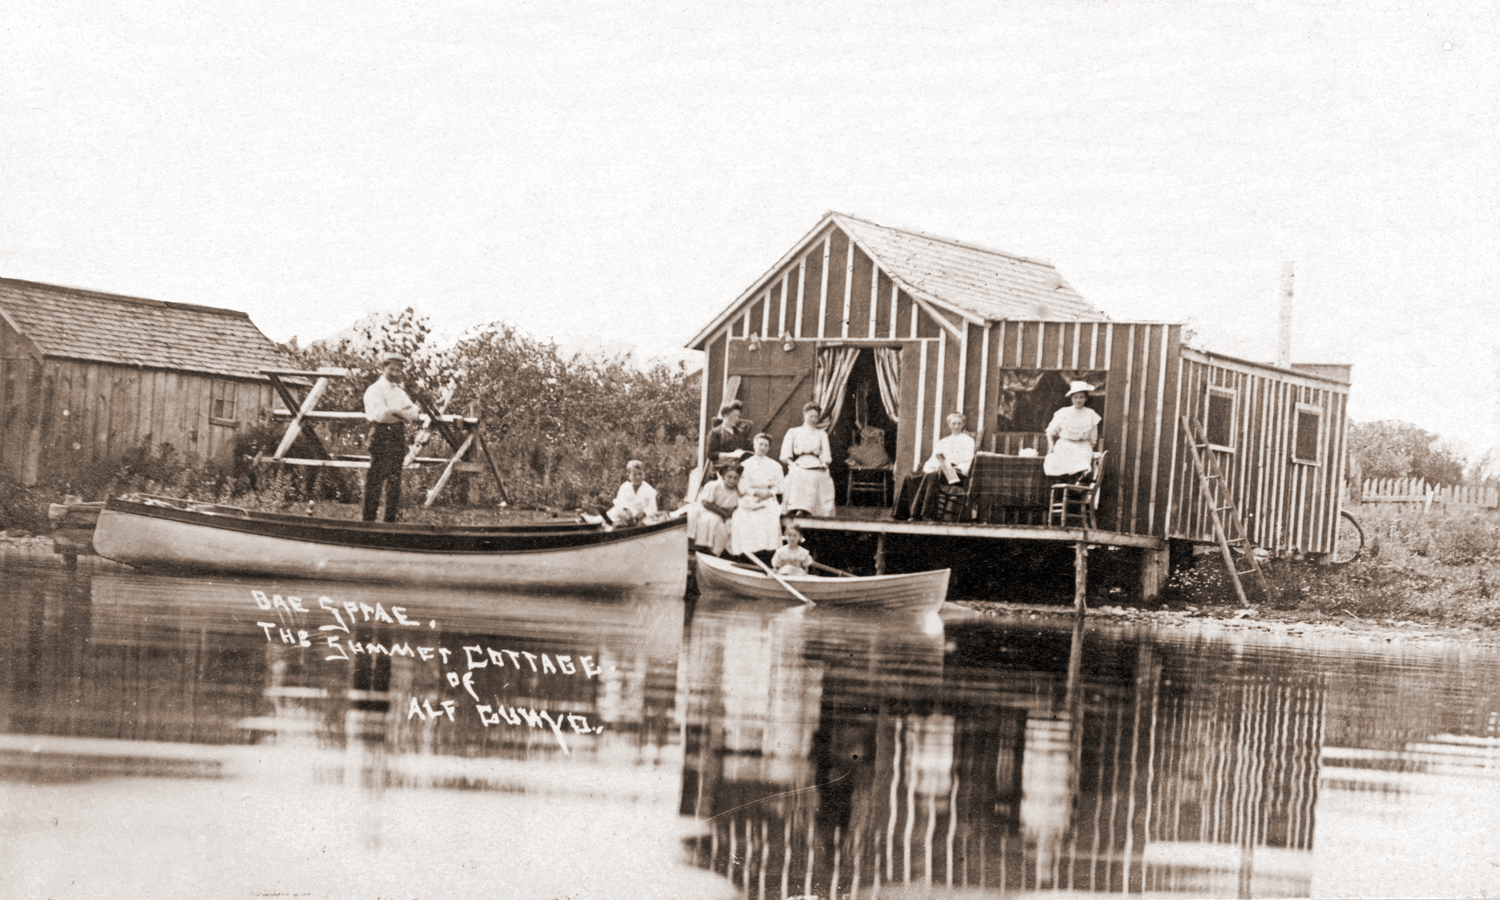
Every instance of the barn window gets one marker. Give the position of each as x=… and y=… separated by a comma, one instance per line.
x=1219, y=418
x=1306, y=441
x=221, y=403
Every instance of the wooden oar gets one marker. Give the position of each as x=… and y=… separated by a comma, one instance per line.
x=818, y=565
x=779, y=580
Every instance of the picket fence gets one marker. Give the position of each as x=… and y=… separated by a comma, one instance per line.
x=1415, y=490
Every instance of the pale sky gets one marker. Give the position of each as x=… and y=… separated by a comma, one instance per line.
x=625, y=170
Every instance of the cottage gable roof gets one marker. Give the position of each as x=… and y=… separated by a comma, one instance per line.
x=965, y=280
x=987, y=283
x=81, y=324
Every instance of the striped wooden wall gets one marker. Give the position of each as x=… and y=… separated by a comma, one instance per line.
x=1286, y=505
x=1141, y=360
x=20, y=403
x=81, y=415
x=831, y=291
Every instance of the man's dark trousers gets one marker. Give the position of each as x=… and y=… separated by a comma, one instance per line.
x=387, y=452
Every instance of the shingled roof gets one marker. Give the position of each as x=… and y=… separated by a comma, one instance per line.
x=74, y=323
x=988, y=283
x=973, y=282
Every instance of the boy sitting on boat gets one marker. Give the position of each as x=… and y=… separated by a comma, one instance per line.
x=792, y=558
x=636, y=500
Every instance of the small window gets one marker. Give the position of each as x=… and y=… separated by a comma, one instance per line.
x=1219, y=418
x=221, y=403
x=1307, y=439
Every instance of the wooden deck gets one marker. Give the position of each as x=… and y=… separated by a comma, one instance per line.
x=878, y=520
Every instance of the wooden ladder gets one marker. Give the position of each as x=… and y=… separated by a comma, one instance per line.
x=1229, y=529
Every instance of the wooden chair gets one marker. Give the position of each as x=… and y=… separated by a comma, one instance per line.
x=868, y=481
x=952, y=501
x=1076, y=505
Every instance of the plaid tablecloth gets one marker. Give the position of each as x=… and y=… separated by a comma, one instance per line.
x=1008, y=488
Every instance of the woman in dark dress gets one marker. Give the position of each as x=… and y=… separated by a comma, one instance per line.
x=729, y=443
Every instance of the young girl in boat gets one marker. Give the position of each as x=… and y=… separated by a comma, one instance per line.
x=792, y=558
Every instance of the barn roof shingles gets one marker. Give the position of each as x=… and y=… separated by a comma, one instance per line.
x=89, y=325
x=988, y=283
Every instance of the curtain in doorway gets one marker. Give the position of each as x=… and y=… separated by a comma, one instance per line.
x=830, y=381
x=888, y=373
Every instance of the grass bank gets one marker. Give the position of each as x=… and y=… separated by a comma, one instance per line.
x=1438, y=570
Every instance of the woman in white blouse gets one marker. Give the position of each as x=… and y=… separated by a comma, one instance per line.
x=1072, y=435
x=805, y=450
x=756, y=524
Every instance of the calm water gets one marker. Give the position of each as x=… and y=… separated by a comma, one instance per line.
x=166, y=737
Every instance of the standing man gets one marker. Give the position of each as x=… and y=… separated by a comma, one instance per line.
x=389, y=408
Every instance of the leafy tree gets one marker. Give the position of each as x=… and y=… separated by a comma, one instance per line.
x=561, y=429
x=1392, y=449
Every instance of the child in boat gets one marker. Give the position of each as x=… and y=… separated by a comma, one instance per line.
x=636, y=500
x=718, y=499
x=792, y=558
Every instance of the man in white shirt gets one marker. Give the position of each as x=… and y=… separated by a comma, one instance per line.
x=388, y=408
x=949, y=463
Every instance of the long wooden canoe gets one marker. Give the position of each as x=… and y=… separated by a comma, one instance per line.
x=915, y=592
x=565, y=556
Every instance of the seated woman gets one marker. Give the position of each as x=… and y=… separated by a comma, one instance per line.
x=718, y=499
x=636, y=500
x=805, y=451
x=792, y=558
x=949, y=463
x=1072, y=436
x=728, y=443
x=755, y=526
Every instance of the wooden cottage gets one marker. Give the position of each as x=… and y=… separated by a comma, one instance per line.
x=88, y=376
x=891, y=330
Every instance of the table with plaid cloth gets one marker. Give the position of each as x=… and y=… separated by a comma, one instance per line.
x=1008, y=489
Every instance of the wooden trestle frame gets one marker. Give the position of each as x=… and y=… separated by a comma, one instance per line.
x=461, y=432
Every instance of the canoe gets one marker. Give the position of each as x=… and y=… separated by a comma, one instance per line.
x=204, y=538
x=915, y=592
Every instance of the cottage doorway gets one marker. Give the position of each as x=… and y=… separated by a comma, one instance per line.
x=862, y=420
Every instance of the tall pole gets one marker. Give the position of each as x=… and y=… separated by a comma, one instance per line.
x=1284, y=323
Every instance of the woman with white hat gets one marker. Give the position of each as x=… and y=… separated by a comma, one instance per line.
x=1072, y=435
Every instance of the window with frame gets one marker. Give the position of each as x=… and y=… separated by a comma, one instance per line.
x=221, y=403
x=1219, y=417
x=1307, y=434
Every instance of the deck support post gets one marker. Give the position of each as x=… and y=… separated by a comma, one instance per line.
x=1081, y=576
x=880, y=553
x=1155, y=566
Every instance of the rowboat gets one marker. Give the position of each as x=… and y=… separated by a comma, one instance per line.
x=207, y=538
x=915, y=592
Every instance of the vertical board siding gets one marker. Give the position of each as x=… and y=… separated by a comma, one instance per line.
x=835, y=281
x=1141, y=362
x=84, y=417
x=812, y=287
x=1287, y=507
x=885, y=306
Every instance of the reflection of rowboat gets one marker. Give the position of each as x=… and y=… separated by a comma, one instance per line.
x=234, y=541
x=916, y=592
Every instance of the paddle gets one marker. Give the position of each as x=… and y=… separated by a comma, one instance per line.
x=779, y=580
x=818, y=565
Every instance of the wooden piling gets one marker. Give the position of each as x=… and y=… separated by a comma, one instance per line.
x=1081, y=576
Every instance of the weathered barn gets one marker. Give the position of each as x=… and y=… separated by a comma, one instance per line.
x=87, y=376
x=902, y=328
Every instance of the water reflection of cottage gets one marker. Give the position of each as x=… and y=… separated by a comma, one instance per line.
x=1024, y=759
x=891, y=330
